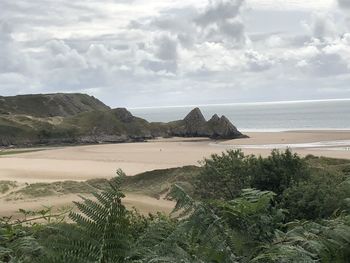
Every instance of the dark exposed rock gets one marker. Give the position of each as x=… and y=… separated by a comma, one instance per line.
x=195, y=125
x=222, y=128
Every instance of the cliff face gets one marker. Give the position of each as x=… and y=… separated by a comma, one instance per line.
x=195, y=125
x=83, y=119
x=50, y=105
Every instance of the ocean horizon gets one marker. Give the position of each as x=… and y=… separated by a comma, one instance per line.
x=264, y=116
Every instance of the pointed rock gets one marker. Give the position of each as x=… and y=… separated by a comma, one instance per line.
x=195, y=116
x=195, y=125
x=222, y=128
x=215, y=118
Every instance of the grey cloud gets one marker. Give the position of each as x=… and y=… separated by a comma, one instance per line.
x=5, y=32
x=329, y=65
x=344, y=3
x=176, y=20
x=219, y=11
x=221, y=20
x=166, y=48
x=323, y=26
x=158, y=66
x=11, y=58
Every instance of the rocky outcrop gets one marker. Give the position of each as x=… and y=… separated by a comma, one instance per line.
x=98, y=126
x=222, y=128
x=195, y=125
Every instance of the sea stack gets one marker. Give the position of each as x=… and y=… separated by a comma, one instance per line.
x=195, y=125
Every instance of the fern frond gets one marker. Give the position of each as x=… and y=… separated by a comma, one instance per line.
x=102, y=229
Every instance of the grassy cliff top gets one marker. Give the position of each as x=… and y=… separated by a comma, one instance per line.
x=49, y=105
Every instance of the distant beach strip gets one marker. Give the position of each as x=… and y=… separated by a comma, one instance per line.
x=339, y=145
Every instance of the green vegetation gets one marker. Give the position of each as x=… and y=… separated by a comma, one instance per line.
x=225, y=211
x=12, y=152
x=159, y=182
x=224, y=176
x=6, y=186
x=154, y=183
x=48, y=105
x=54, y=119
x=57, y=188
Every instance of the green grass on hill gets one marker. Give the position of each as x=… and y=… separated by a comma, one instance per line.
x=12, y=152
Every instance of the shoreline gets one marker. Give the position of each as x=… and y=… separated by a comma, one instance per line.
x=83, y=162
x=248, y=132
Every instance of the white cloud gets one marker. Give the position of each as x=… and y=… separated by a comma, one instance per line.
x=141, y=52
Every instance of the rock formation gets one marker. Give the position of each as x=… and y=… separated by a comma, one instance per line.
x=78, y=118
x=195, y=125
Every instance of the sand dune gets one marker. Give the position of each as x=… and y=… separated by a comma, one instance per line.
x=144, y=204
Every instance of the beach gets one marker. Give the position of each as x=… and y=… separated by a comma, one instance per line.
x=102, y=161
x=80, y=163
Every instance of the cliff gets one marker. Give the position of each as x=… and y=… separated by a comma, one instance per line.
x=81, y=119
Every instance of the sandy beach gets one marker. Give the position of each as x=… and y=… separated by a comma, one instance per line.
x=102, y=161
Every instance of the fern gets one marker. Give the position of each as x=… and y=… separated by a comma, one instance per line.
x=199, y=236
x=16, y=245
x=102, y=232
x=326, y=241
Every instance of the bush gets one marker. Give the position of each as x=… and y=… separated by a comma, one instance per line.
x=318, y=197
x=279, y=171
x=224, y=176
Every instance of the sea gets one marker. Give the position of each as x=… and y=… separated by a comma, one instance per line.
x=265, y=116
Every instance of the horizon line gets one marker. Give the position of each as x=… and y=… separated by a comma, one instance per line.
x=240, y=103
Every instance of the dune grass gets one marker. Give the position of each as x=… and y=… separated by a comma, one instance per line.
x=12, y=152
x=6, y=186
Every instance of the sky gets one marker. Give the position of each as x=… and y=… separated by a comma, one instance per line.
x=147, y=53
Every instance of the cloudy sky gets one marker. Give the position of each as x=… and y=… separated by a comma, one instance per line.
x=138, y=53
